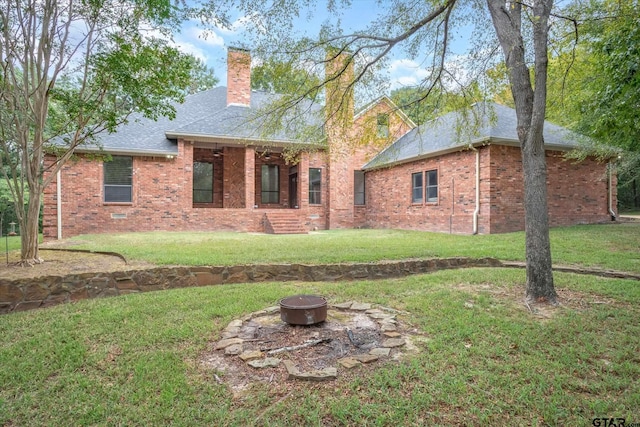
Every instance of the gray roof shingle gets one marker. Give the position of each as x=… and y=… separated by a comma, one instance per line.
x=202, y=114
x=455, y=131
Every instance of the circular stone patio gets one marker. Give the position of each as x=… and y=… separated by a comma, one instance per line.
x=260, y=347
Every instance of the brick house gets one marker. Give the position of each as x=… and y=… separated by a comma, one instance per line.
x=212, y=168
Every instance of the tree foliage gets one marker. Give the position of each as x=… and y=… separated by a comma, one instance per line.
x=284, y=77
x=202, y=77
x=424, y=32
x=612, y=110
x=595, y=85
x=71, y=69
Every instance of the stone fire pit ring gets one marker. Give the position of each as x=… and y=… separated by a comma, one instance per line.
x=303, y=309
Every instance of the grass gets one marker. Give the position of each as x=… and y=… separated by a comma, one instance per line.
x=613, y=246
x=134, y=360
x=11, y=243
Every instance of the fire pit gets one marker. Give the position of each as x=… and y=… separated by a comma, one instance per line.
x=303, y=309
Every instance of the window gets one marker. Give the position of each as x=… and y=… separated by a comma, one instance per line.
x=118, y=179
x=383, y=126
x=416, y=187
x=315, y=185
x=358, y=188
x=432, y=186
x=202, y=182
x=270, y=184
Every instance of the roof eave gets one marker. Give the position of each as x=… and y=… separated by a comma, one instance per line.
x=463, y=147
x=239, y=141
x=128, y=152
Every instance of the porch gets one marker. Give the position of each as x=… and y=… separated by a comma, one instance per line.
x=257, y=179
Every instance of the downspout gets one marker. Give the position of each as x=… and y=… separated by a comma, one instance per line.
x=476, y=212
x=610, y=190
x=59, y=203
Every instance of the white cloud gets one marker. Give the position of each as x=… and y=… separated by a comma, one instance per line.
x=207, y=37
x=191, y=49
x=406, y=72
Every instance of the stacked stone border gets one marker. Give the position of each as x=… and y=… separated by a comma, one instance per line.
x=46, y=291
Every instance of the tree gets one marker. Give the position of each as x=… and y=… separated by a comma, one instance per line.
x=609, y=111
x=422, y=106
x=202, y=77
x=425, y=30
x=283, y=77
x=91, y=63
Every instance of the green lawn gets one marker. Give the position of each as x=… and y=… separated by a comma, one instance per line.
x=613, y=246
x=133, y=360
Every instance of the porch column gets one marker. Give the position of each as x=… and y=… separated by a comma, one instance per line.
x=250, y=177
x=303, y=181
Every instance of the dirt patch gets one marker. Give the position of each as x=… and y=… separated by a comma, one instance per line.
x=261, y=348
x=514, y=296
x=62, y=263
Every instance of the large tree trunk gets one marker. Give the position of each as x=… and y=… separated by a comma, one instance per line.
x=540, y=285
x=29, y=231
x=530, y=105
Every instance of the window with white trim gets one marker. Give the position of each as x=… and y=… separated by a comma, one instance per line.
x=382, y=125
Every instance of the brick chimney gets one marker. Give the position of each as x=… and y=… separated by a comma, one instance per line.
x=339, y=75
x=238, y=77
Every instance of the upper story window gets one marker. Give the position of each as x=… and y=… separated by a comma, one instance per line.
x=202, y=182
x=118, y=179
x=358, y=188
x=417, y=187
x=432, y=185
x=383, y=125
x=270, y=179
x=315, y=186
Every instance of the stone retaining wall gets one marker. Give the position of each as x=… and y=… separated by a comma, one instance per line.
x=26, y=294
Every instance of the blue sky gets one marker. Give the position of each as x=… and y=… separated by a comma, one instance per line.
x=212, y=46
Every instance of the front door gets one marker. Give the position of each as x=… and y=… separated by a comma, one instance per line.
x=293, y=190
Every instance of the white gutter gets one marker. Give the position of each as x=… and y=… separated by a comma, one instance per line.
x=477, y=210
x=610, y=191
x=59, y=203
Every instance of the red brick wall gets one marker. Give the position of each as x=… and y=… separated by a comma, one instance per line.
x=348, y=152
x=238, y=77
x=577, y=193
x=388, y=196
x=162, y=199
x=162, y=194
x=316, y=215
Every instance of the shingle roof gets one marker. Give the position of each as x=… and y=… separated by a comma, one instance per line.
x=202, y=114
x=456, y=131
